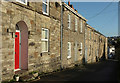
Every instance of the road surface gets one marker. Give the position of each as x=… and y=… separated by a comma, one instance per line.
x=100, y=71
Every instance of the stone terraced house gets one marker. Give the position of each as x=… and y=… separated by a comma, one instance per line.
x=73, y=36
x=45, y=36
x=95, y=45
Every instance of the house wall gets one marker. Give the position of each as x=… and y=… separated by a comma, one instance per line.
x=35, y=20
x=32, y=15
x=89, y=45
x=106, y=47
x=70, y=35
x=94, y=43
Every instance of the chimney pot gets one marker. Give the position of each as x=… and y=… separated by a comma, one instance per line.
x=69, y=3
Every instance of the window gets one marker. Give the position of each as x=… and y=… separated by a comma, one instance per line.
x=89, y=34
x=69, y=50
x=69, y=21
x=85, y=32
x=81, y=26
x=75, y=24
x=45, y=7
x=22, y=1
x=45, y=37
x=81, y=48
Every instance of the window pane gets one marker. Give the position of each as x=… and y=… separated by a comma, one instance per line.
x=45, y=40
x=44, y=34
x=23, y=1
x=45, y=1
x=44, y=46
x=69, y=49
x=44, y=8
x=68, y=46
x=75, y=24
x=68, y=20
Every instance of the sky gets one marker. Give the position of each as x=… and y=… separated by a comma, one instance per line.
x=103, y=16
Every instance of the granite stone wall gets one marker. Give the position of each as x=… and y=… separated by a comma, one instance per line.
x=35, y=20
x=32, y=15
x=70, y=35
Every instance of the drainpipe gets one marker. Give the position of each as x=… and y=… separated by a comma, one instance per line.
x=61, y=33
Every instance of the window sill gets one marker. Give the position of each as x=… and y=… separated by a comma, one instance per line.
x=69, y=28
x=68, y=57
x=21, y=2
x=80, y=54
x=45, y=13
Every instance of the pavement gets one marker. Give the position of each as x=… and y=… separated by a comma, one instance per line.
x=104, y=71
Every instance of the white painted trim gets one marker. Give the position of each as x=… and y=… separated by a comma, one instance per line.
x=17, y=30
x=76, y=24
x=81, y=48
x=22, y=2
x=69, y=21
x=47, y=40
x=47, y=7
x=69, y=50
x=17, y=69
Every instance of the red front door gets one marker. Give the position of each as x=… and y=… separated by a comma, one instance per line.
x=17, y=34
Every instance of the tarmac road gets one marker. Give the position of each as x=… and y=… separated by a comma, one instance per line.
x=101, y=71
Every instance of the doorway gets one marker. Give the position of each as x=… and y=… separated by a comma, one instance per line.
x=21, y=46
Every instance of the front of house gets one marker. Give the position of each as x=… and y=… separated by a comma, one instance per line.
x=30, y=37
x=73, y=37
x=43, y=36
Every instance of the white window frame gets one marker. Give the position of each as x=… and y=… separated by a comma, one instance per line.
x=46, y=40
x=69, y=50
x=47, y=4
x=81, y=26
x=76, y=24
x=22, y=2
x=81, y=48
x=69, y=21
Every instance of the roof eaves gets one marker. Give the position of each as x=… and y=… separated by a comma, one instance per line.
x=72, y=10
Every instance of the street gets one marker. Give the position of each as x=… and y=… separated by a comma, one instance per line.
x=100, y=71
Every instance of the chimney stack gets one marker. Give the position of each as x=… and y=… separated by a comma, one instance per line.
x=72, y=6
x=69, y=3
